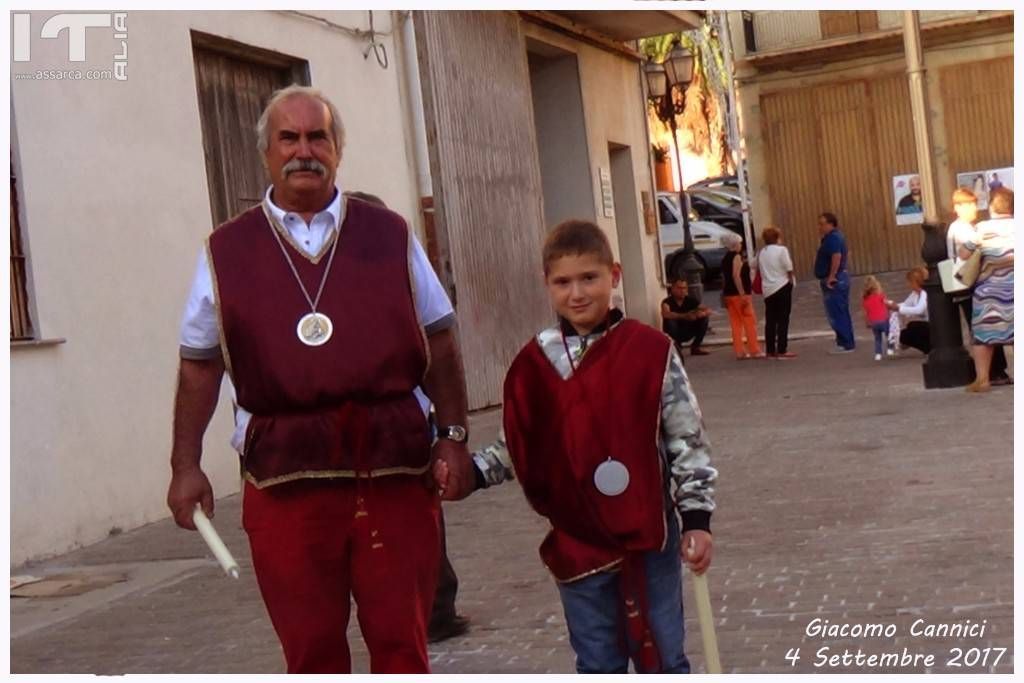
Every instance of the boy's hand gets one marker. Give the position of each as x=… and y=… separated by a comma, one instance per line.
x=696, y=550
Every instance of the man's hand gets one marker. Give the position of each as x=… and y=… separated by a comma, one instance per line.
x=698, y=557
x=831, y=283
x=453, y=470
x=188, y=487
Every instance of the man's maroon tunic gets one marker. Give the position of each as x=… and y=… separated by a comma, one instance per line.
x=325, y=414
x=346, y=406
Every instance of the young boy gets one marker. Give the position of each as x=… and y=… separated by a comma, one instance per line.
x=605, y=436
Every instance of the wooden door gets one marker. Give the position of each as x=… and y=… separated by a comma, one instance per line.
x=487, y=187
x=891, y=130
x=835, y=147
x=792, y=140
x=233, y=84
x=849, y=173
x=836, y=23
x=978, y=103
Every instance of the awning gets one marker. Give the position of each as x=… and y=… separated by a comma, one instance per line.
x=613, y=30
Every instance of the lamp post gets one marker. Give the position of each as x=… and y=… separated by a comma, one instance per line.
x=948, y=363
x=676, y=72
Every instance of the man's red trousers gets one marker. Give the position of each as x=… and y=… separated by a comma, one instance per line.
x=315, y=542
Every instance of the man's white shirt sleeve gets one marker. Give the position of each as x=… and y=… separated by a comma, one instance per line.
x=200, y=335
x=432, y=303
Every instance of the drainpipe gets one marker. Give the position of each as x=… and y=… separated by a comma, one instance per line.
x=412, y=76
x=734, y=130
x=919, y=108
x=948, y=364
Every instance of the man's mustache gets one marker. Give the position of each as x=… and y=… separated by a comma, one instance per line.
x=304, y=165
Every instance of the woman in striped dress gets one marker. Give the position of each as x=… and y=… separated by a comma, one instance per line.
x=992, y=310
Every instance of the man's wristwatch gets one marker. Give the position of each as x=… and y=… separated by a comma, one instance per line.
x=456, y=433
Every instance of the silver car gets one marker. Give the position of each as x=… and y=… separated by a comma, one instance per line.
x=707, y=236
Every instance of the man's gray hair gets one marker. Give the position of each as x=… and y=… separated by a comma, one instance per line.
x=263, y=126
x=731, y=240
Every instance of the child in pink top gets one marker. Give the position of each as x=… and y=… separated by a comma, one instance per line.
x=876, y=312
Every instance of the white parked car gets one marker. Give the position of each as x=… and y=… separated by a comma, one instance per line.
x=707, y=236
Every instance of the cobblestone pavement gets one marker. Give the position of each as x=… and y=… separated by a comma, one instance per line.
x=848, y=493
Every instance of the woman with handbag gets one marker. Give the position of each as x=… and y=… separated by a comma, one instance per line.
x=736, y=290
x=961, y=230
x=992, y=307
x=774, y=268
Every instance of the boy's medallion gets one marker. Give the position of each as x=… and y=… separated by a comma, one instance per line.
x=611, y=477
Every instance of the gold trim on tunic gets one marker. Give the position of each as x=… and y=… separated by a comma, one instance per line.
x=335, y=474
x=216, y=305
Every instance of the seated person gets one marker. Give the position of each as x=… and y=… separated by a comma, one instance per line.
x=684, y=318
x=915, y=332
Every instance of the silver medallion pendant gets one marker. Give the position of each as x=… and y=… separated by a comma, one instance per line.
x=611, y=477
x=314, y=329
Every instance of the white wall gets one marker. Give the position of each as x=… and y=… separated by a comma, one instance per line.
x=113, y=186
x=614, y=113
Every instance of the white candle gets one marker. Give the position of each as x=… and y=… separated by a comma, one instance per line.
x=702, y=596
x=212, y=538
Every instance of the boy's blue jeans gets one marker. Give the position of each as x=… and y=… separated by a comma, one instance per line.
x=881, y=330
x=593, y=611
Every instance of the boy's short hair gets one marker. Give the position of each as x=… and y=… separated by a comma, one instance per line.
x=576, y=238
x=962, y=195
x=770, y=235
x=1000, y=201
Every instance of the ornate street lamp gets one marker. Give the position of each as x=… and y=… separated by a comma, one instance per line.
x=676, y=72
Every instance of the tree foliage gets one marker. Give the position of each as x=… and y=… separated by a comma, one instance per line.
x=702, y=124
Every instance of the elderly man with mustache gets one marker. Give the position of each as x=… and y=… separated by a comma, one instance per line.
x=328, y=318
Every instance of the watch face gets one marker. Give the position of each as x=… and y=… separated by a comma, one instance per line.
x=456, y=433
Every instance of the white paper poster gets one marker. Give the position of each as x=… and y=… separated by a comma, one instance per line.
x=906, y=190
x=981, y=183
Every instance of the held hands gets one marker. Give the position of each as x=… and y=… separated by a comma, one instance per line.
x=696, y=550
x=452, y=470
x=188, y=487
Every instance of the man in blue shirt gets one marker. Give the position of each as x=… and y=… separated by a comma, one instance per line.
x=830, y=269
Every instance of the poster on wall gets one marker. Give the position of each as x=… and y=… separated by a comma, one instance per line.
x=981, y=183
x=906, y=190
x=999, y=177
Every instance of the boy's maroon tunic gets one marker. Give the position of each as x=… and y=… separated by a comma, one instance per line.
x=343, y=408
x=560, y=430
